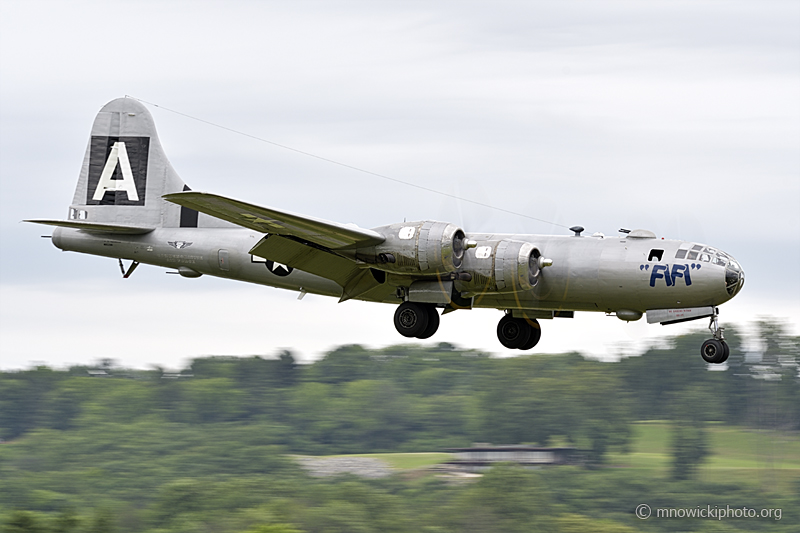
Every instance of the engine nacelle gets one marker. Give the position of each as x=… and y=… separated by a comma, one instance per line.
x=501, y=266
x=417, y=248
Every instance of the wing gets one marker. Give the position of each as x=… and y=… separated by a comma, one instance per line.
x=273, y=221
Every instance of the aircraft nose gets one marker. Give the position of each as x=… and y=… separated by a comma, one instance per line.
x=734, y=277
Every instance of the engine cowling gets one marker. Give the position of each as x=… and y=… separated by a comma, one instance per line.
x=500, y=266
x=417, y=247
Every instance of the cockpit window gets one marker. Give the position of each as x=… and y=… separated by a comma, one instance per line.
x=655, y=255
x=733, y=265
x=705, y=254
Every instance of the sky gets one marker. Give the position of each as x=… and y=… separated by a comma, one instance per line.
x=678, y=117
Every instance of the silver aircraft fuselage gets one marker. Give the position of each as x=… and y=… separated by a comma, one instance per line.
x=593, y=273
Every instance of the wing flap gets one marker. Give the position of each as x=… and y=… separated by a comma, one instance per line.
x=306, y=258
x=94, y=227
x=269, y=220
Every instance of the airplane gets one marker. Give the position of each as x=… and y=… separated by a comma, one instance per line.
x=131, y=204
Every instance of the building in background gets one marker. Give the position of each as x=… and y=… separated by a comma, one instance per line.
x=482, y=456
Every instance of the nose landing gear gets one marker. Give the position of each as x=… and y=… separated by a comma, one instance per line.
x=716, y=350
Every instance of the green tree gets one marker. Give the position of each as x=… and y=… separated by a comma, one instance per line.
x=286, y=370
x=654, y=376
x=63, y=404
x=273, y=528
x=22, y=399
x=312, y=413
x=572, y=523
x=507, y=498
x=526, y=400
x=511, y=405
x=103, y=522
x=689, y=435
x=178, y=497
x=346, y=363
x=376, y=413
x=337, y=516
x=212, y=400
x=23, y=522
x=66, y=522
x=601, y=410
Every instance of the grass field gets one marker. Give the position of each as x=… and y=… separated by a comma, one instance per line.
x=766, y=458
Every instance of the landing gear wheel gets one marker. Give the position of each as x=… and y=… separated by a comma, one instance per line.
x=713, y=351
x=433, y=322
x=716, y=350
x=536, y=334
x=726, y=351
x=513, y=333
x=411, y=319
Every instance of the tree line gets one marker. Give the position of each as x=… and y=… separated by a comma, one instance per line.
x=410, y=398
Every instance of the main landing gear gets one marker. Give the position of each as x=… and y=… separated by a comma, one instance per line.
x=413, y=319
x=518, y=333
x=420, y=320
x=716, y=350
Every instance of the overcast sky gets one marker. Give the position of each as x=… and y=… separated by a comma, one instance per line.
x=678, y=117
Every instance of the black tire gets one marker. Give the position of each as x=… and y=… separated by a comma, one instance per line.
x=410, y=319
x=433, y=322
x=727, y=352
x=536, y=334
x=712, y=351
x=513, y=333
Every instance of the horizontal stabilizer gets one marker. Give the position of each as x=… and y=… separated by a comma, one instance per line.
x=95, y=227
x=268, y=220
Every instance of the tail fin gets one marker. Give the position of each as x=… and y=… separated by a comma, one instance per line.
x=125, y=172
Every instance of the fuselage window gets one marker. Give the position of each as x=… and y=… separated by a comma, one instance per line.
x=681, y=254
x=655, y=255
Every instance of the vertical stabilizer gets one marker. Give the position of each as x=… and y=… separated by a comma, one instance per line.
x=125, y=172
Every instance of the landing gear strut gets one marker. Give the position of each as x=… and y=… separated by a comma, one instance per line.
x=518, y=333
x=413, y=319
x=716, y=350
